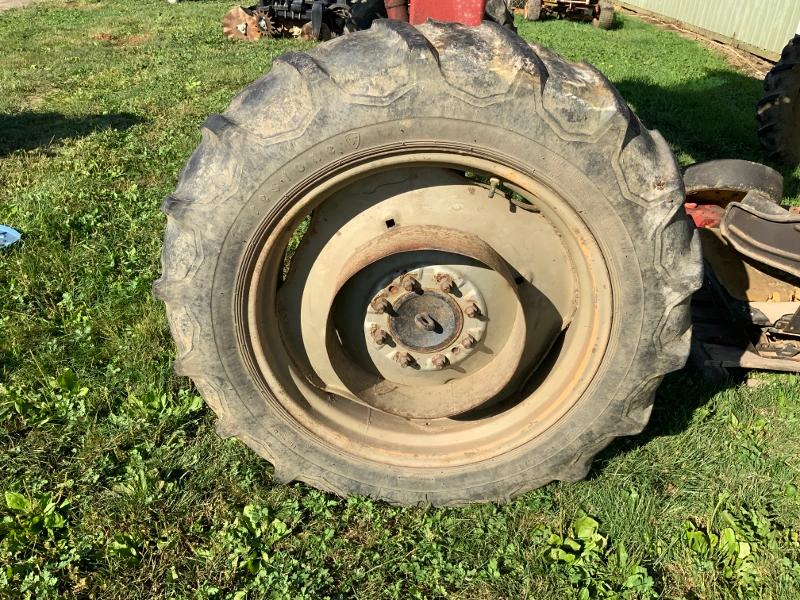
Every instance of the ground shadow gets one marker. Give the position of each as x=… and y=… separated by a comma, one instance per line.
x=707, y=118
x=677, y=399
x=29, y=130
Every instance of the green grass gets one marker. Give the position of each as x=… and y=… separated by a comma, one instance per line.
x=115, y=485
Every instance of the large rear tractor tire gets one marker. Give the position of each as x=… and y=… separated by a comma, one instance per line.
x=778, y=111
x=429, y=265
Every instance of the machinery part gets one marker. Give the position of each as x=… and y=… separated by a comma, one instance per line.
x=308, y=33
x=579, y=317
x=604, y=15
x=778, y=111
x=533, y=10
x=466, y=12
x=397, y=9
x=241, y=24
x=762, y=230
x=306, y=19
x=720, y=182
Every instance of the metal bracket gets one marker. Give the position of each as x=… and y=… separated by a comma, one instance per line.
x=762, y=230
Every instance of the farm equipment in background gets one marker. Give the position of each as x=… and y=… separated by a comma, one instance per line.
x=323, y=19
x=599, y=12
x=432, y=263
x=311, y=20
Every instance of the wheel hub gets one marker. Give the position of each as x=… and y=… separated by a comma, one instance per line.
x=429, y=319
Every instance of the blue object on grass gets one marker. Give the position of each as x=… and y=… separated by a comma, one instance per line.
x=8, y=236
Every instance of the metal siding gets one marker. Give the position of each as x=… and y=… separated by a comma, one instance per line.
x=765, y=24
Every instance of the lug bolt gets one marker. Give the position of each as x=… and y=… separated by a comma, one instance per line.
x=439, y=361
x=404, y=359
x=381, y=305
x=410, y=284
x=468, y=342
x=472, y=310
x=379, y=336
x=493, y=183
x=445, y=282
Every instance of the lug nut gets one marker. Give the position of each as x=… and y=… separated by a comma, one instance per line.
x=468, y=342
x=445, y=283
x=379, y=336
x=439, y=361
x=404, y=359
x=410, y=284
x=381, y=305
x=472, y=310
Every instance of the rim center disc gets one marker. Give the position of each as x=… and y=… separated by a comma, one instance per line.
x=426, y=322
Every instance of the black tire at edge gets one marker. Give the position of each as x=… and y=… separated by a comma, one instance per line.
x=778, y=111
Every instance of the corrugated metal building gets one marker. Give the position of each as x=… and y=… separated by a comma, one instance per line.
x=759, y=26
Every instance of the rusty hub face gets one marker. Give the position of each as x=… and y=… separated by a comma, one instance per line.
x=426, y=322
x=416, y=314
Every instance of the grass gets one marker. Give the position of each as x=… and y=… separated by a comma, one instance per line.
x=114, y=483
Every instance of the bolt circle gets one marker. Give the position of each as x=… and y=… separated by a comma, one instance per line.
x=424, y=323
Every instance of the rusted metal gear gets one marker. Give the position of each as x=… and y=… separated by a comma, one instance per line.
x=264, y=22
x=241, y=24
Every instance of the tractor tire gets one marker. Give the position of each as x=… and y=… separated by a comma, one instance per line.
x=533, y=10
x=778, y=111
x=605, y=16
x=511, y=190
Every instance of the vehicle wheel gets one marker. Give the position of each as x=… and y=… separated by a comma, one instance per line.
x=778, y=110
x=533, y=10
x=605, y=16
x=452, y=269
x=729, y=180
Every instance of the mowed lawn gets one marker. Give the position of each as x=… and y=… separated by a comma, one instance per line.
x=114, y=484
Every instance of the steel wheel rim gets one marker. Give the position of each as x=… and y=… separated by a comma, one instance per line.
x=373, y=435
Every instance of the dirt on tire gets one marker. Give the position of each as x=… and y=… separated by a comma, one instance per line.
x=398, y=86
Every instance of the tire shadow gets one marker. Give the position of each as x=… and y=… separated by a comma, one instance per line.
x=707, y=118
x=677, y=398
x=29, y=130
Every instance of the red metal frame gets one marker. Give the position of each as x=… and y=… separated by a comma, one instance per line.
x=467, y=12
